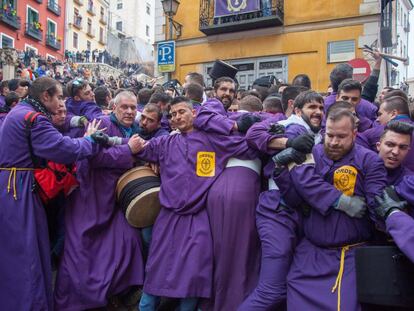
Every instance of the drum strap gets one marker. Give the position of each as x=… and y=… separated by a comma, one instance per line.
x=338, y=282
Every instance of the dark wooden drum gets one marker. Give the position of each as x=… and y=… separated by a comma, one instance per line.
x=137, y=194
x=385, y=276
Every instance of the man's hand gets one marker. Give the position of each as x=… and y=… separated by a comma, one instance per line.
x=354, y=206
x=93, y=127
x=276, y=129
x=100, y=138
x=136, y=144
x=388, y=202
x=288, y=156
x=303, y=143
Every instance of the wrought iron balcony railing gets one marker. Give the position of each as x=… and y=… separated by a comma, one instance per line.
x=34, y=31
x=103, y=19
x=91, y=10
x=9, y=17
x=77, y=21
x=53, y=42
x=270, y=15
x=54, y=7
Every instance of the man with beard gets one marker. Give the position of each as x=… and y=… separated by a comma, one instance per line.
x=150, y=122
x=350, y=91
x=393, y=148
x=231, y=203
x=278, y=223
x=393, y=108
x=338, y=182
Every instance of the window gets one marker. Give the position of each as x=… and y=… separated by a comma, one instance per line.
x=6, y=41
x=147, y=30
x=51, y=29
x=102, y=12
x=28, y=48
x=9, y=4
x=88, y=45
x=89, y=25
x=119, y=26
x=341, y=51
x=119, y=5
x=75, y=40
x=148, y=9
x=32, y=16
x=101, y=34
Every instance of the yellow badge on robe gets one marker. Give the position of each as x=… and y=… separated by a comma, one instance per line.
x=345, y=179
x=206, y=164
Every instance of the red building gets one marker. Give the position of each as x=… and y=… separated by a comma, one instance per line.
x=33, y=24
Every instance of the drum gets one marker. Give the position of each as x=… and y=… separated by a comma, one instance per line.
x=137, y=194
x=385, y=276
x=222, y=69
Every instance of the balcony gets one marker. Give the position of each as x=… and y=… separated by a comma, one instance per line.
x=103, y=19
x=91, y=32
x=407, y=27
x=34, y=30
x=39, y=1
x=77, y=21
x=91, y=10
x=53, y=7
x=102, y=40
x=9, y=17
x=80, y=2
x=53, y=42
x=265, y=17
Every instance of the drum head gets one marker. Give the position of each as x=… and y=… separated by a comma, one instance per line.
x=132, y=174
x=144, y=209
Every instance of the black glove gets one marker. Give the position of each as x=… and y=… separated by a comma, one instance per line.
x=287, y=156
x=276, y=129
x=100, y=138
x=388, y=202
x=246, y=121
x=303, y=143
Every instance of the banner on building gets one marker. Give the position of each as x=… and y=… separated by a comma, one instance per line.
x=234, y=7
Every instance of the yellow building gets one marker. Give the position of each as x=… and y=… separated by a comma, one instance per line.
x=86, y=22
x=295, y=36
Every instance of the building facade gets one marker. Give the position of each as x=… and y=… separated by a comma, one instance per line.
x=37, y=25
x=135, y=20
x=87, y=25
x=281, y=38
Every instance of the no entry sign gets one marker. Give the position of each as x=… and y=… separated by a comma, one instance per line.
x=362, y=69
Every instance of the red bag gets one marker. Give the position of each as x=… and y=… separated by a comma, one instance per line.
x=54, y=178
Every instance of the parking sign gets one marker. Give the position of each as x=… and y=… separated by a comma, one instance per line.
x=166, y=56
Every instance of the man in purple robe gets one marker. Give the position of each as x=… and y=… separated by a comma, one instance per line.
x=350, y=91
x=102, y=254
x=338, y=74
x=162, y=100
x=393, y=148
x=150, y=122
x=231, y=204
x=180, y=261
x=81, y=100
x=25, y=268
x=277, y=222
x=4, y=90
x=393, y=108
x=338, y=182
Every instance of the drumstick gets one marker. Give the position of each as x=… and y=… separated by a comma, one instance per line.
x=402, y=59
x=388, y=60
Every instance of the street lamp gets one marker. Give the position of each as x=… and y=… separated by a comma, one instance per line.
x=170, y=8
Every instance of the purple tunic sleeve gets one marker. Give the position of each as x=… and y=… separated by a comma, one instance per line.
x=49, y=144
x=91, y=111
x=213, y=118
x=287, y=190
x=405, y=188
x=401, y=227
x=310, y=186
x=259, y=138
x=114, y=157
x=153, y=148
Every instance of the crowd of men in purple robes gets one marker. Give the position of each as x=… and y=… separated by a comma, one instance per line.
x=266, y=194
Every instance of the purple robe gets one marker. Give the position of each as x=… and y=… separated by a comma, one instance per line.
x=369, y=139
x=400, y=225
x=180, y=260
x=2, y=101
x=363, y=109
x=231, y=204
x=102, y=254
x=316, y=262
x=25, y=268
x=84, y=108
